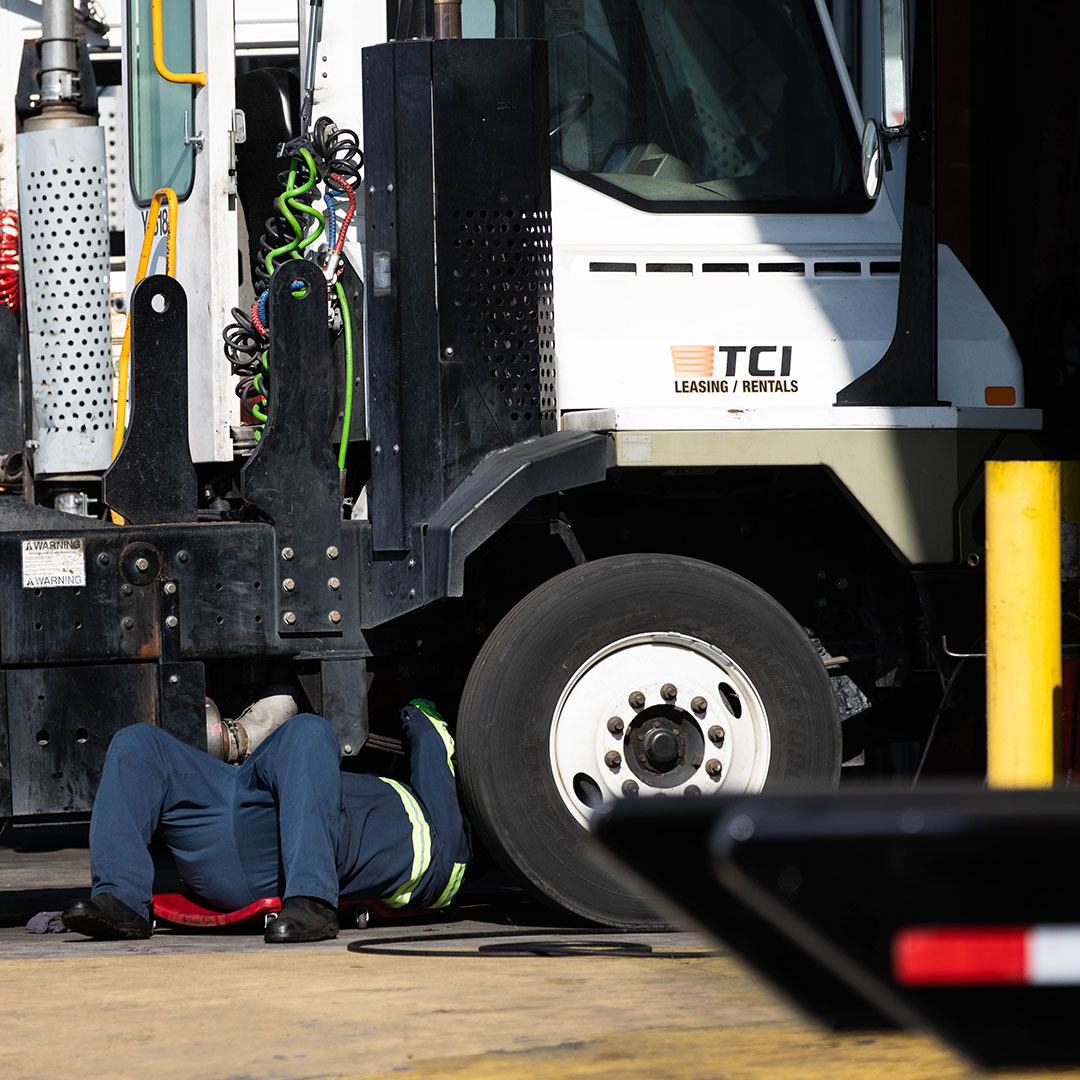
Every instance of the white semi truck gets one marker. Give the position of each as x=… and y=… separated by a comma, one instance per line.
x=657, y=460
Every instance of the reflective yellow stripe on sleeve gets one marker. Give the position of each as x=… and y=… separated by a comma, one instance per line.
x=429, y=710
x=421, y=842
x=452, y=885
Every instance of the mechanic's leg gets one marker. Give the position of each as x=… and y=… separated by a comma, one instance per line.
x=149, y=778
x=299, y=767
x=431, y=764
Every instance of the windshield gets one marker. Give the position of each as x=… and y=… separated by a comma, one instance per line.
x=695, y=104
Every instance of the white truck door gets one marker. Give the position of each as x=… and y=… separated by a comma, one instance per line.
x=180, y=136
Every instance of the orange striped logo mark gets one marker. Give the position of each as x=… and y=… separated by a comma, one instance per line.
x=693, y=359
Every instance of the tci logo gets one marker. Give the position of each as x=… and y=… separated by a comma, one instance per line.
x=765, y=369
x=758, y=361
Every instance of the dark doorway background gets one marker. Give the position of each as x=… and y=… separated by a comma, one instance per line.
x=1009, y=183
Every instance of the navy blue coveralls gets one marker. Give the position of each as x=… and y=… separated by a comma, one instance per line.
x=287, y=822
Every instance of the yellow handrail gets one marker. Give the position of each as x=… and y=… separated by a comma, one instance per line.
x=198, y=77
x=144, y=259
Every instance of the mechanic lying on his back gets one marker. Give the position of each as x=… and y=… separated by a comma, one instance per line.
x=287, y=822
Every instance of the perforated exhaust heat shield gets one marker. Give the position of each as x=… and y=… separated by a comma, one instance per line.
x=63, y=192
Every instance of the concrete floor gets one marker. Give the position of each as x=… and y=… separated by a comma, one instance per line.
x=228, y=1007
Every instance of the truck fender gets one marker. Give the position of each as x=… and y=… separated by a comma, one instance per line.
x=503, y=483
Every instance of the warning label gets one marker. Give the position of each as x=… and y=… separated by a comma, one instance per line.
x=50, y=564
x=568, y=14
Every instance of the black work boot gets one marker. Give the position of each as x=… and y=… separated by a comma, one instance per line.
x=103, y=916
x=303, y=918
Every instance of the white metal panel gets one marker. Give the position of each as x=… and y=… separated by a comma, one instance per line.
x=207, y=243
x=615, y=331
x=13, y=28
x=111, y=118
x=975, y=350
x=339, y=87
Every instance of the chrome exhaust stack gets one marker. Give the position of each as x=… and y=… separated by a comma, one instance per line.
x=447, y=19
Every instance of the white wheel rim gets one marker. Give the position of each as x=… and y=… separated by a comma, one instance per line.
x=582, y=742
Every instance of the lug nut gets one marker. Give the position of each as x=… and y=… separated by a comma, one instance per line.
x=714, y=768
x=699, y=705
x=691, y=789
x=615, y=725
x=170, y=588
x=172, y=622
x=288, y=584
x=289, y=618
x=717, y=734
x=669, y=692
x=333, y=583
x=287, y=553
x=332, y=552
x=629, y=787
x=613, y=759
x=182, y=556
x=636, y=700
x=142, y=565
x=128, y=624
x=126, y=590
x=335, y=616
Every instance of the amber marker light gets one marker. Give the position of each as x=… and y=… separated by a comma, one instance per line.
x=693, y=360
x=1001, y=395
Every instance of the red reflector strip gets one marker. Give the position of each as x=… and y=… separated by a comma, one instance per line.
x=961, y=956
x=1047, y=955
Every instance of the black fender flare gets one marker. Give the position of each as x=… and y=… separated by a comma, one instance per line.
x=501, y=485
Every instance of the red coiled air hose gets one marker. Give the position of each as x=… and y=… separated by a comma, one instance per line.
x=344, y=228
x=9, y=259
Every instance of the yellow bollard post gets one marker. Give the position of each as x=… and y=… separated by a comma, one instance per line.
x=1023, y=621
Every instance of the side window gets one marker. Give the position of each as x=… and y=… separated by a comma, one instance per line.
x=159, y=157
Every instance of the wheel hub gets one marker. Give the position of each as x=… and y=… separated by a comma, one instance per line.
x=657, y=714
x=663, y=746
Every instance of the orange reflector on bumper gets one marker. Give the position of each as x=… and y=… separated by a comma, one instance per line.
x=1001, y=395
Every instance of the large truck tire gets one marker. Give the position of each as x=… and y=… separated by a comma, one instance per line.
x=633, y=676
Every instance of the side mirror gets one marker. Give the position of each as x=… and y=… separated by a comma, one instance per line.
x=871, y=158
x=894, y=103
